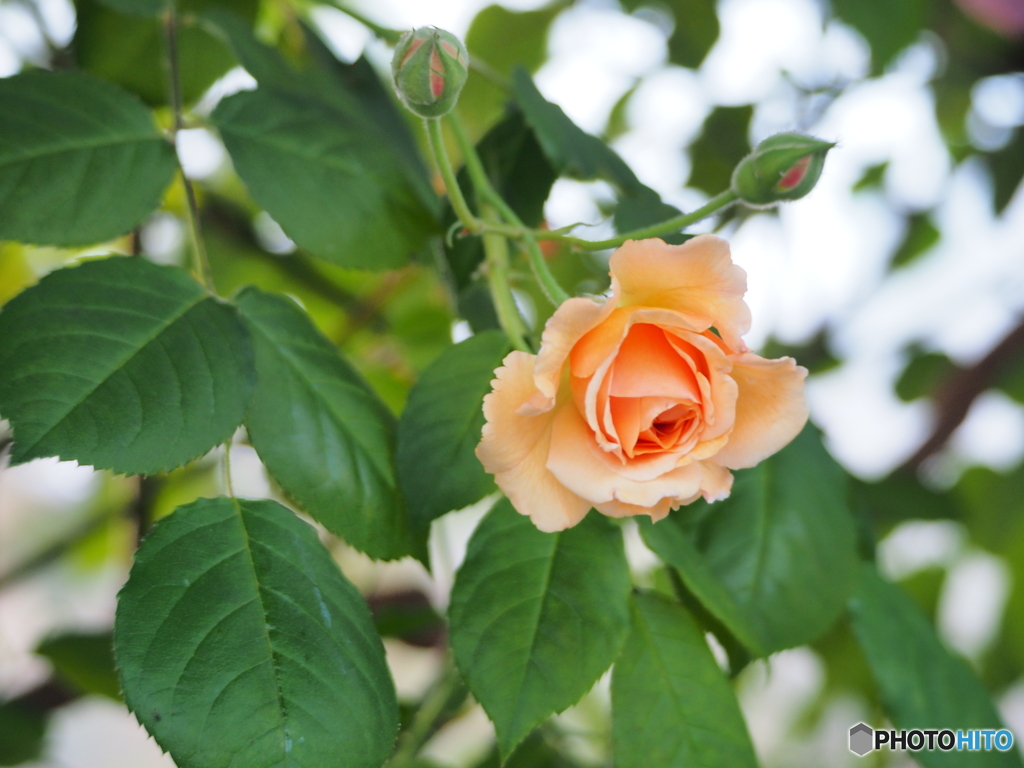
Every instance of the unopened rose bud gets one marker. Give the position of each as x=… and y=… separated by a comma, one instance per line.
x=785, y=166
x=430, y=67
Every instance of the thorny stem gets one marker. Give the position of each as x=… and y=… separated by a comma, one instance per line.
x=555, y=293
x=202, y=264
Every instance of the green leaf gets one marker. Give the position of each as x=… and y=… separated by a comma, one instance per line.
x=532, y=752
x=113, y=43
x=80, y=160
x=643, y=207
x=317, y=154
x=502, y=39
x=671, y=705
x=321, y=431
x=783, y=545
x=674, y=544
x=438, y=470
x=138, y=7
x=923, y=374
x=889, y=27
x=571, y=149
x=1007, y=168
x=921, y=236
x=536, y=618
x=723, y=142
x=122, y=364
x=922, y=685
x=695, y=32
x=21, y=733
x=239, y=642
x=86, y=661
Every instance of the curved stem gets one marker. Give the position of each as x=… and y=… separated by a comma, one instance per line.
x=440, y=699
x=451, y=183
x=496, y=252
x=715, y=204
x=555, y=293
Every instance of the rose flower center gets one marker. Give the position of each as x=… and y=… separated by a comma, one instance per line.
x=651, y=398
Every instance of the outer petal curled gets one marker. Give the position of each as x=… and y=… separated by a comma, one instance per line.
x=770, y=410
x=696, y=278
x=514, y=449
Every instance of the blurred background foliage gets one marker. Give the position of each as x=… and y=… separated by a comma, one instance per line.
x=948, y=525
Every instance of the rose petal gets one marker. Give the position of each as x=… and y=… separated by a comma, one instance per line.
x=514, y=448
x=581, y=466
x=571, y=321
x=697, y=278
x=619, y=509
x=770, y=409
x=647, y=365
x=715, y=481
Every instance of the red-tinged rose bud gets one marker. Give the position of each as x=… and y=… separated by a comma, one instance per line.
x=782, y=167
x=430, y=67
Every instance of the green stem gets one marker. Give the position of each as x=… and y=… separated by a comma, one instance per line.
x=496, y=252
x=555, y=293
x=427, y=718
x=227, y=468
x=384, y=33
x=202, y=263
x=451, y=183
x=715, y=204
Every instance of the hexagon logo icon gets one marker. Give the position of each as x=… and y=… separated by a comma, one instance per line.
x=861, y=739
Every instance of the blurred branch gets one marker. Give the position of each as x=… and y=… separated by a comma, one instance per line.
x=958, y=392
x=55, y=551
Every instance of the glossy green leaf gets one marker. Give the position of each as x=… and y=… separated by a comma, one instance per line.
x=783, y=545
x=889, y=27
x=80, y=160
x=239, y=642
x=536, y=618
x=122, y=364
x=671, y=540
x=125, y=48
x=438, y=470
x=671, y=705
x=86, y=661
x=921, y=683
x=316, y=153
x=321, y=431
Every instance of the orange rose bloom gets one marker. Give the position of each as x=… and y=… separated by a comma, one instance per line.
x=635, y=405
